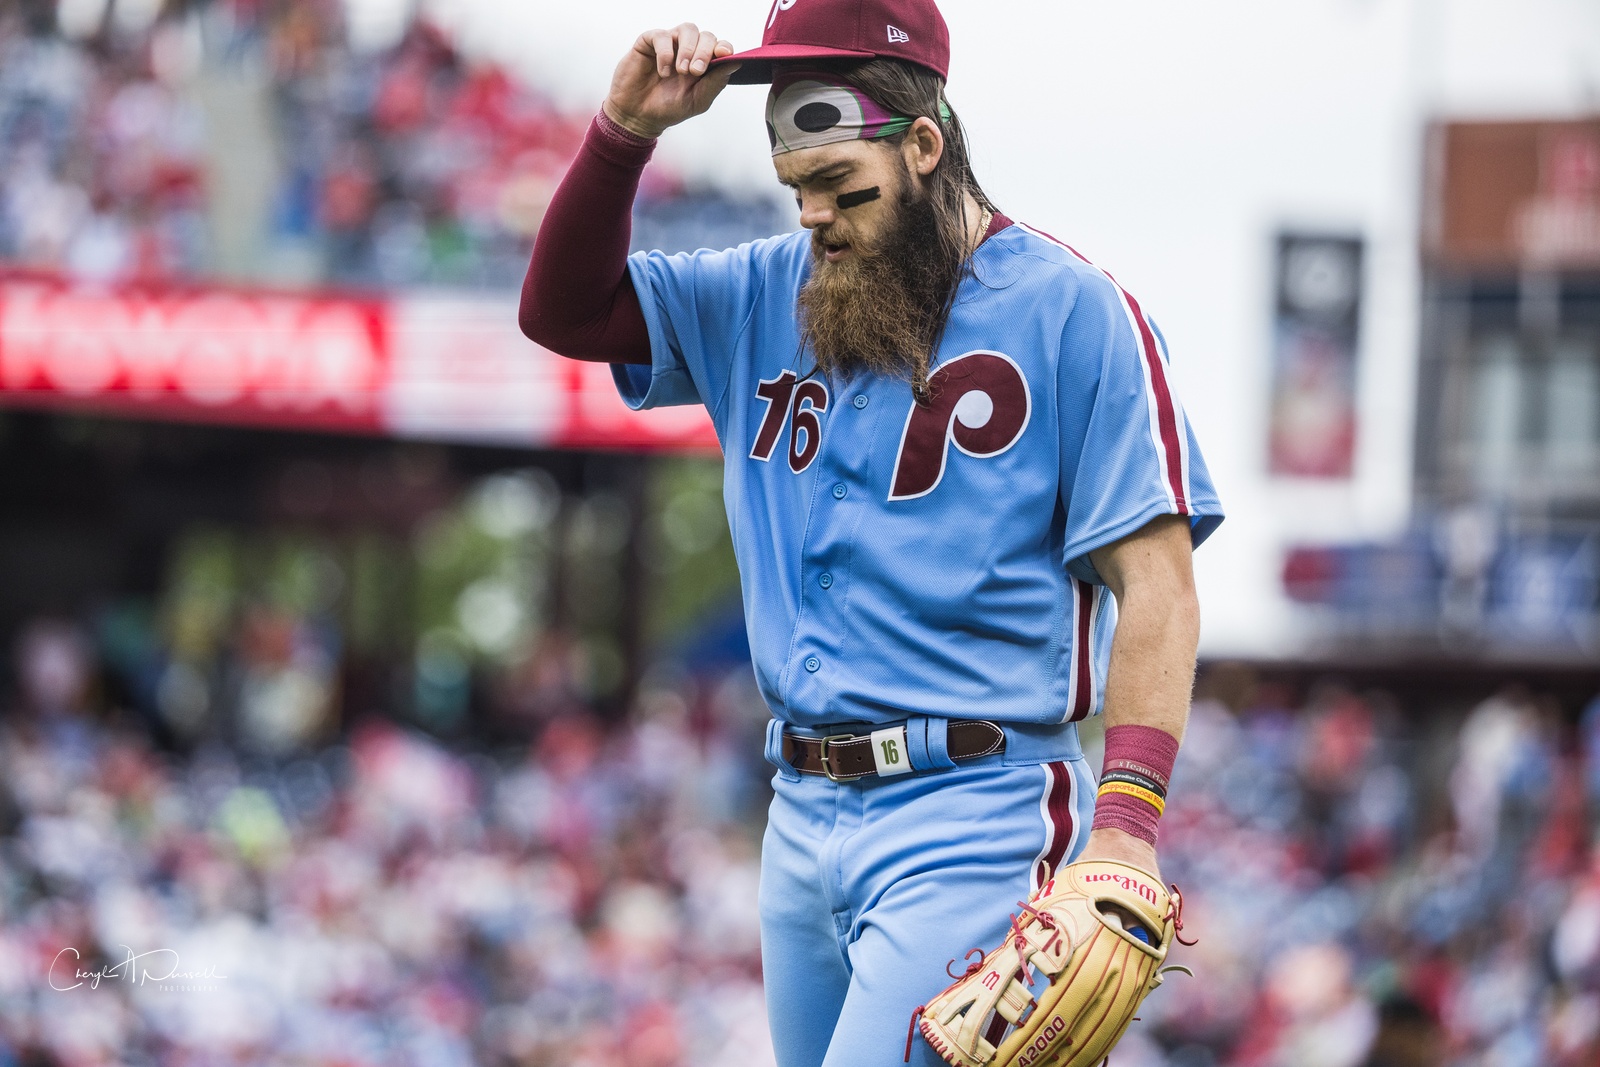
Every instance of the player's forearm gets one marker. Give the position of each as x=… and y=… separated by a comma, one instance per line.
x=1153, y=656
x=577, y=298
x=1151, y=574
x=1147, y=688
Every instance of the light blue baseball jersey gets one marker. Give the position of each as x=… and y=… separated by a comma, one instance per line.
x=902, y=559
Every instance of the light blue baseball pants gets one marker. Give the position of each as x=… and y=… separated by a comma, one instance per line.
x=869, y=889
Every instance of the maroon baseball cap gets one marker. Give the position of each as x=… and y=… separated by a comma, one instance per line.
x=912, y=30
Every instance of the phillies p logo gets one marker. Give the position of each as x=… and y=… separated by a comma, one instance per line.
x=777, y=6
x=978, y=402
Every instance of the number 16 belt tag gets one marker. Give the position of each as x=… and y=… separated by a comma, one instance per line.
x=889, y=751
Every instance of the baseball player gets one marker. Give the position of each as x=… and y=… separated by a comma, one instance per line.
x=963, y=497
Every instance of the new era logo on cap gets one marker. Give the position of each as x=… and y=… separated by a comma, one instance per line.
x=898, y=36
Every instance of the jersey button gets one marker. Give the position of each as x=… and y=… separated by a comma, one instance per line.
x=860, y=401
x=826, y=581
x=813, y=664
x=839, y=491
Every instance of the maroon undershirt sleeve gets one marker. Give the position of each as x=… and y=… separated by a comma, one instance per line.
x=577, y=298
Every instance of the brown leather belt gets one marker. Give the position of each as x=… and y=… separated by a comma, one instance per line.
x=847, y=757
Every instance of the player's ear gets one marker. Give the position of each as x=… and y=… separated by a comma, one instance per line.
x=923, y=146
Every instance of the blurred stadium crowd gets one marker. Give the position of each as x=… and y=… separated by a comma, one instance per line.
x=1370, y=888
x=102, y=162
x=1377, y=888
x=247, y=138
x=586, y=899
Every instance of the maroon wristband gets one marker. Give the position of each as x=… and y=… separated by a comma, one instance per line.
x=1143, y=750
x=1118, y=811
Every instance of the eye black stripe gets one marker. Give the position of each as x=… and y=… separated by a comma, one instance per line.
x=857, y=198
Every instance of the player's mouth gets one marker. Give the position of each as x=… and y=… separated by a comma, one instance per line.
x=833, y=253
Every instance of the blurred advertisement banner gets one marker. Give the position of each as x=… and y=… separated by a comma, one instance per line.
x=438, y=367
x=1513, y=194
x=459, y=370
x=1316, y=314
x=212, y=354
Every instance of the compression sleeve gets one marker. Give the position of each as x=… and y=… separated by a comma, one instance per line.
x=577, y=298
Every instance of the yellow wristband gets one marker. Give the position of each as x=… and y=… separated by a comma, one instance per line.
x=1128, y=789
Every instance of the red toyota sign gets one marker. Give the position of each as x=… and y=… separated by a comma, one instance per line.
x=440, y=367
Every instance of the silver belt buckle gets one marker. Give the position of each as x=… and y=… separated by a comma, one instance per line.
x=827, y=768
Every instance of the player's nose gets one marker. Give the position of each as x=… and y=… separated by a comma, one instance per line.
x=816, y=210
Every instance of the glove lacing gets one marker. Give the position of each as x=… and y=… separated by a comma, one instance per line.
x=1019, y=941
x=1175, y=913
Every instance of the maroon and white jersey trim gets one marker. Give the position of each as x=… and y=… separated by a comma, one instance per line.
x=1167, y=429
x=1058, y=806
x=1087, y=603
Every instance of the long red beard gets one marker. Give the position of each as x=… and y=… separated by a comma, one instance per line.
x=883, y=308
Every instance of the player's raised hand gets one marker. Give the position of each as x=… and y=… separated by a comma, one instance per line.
x=662, y=80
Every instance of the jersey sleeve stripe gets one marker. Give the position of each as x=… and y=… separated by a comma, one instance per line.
x=1164, y=421
x=1179, y=418
x=1166, y=416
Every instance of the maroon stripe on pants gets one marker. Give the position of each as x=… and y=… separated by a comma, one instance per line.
x=1059, y=809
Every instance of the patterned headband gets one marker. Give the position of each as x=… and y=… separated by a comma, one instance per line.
x=810, y=108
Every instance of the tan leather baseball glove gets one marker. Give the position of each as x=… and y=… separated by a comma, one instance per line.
x=1093, y=940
